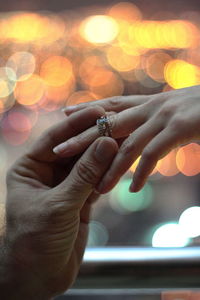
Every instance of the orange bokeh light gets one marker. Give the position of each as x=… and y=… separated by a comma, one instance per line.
x=188, y=158
x=167, y=165
x=56, y=71
x=125, y=11
x=89, y=67
x=125, y=63
x=155, y=64
x=80, y=97
x=98, y=79
x=30, y=91
x=113, y=86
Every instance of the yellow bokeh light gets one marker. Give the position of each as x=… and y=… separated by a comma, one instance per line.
x=31, y=27
x=135, y=164
x=30, y=91
x=121, y=61
x=99, y=29
x=180, y=74
x=56, y=71
x=127, y=41
x=187, y=159
x=24, y=27
x=164, y=34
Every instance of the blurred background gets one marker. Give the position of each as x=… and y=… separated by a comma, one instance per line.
x=57, y=53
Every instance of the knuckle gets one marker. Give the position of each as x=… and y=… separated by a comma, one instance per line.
x=87, y=172
x=128, y=146
x=166, y=111
x=148, y=154
x=178, y=123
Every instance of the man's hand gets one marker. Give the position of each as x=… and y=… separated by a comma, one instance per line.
x=47, y=213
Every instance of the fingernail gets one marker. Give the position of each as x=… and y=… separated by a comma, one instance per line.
x=63, y=148
x=69, y=108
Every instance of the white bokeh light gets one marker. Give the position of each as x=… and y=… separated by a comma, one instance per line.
x=190, y=221
x=99, y=29
x=169, y=235
x=23, y=64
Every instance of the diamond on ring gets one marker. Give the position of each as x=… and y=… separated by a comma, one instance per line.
x=104, y=126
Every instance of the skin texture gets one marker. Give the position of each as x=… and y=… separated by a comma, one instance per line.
x=47, y=211
x=147, y=126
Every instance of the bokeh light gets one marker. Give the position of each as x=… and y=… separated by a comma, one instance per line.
x=167, y=165
x=98, y=234
x=155, y=65
x=80, y=97
x=56, y=71
x=190, y=221
x=27, y=27
x=7, y=82
x=125, y=11
x=125, y=202
x=99, y=29
x=187, y=158
x=23, y=63
x=49, y=60
x=135, y=164
x=180, y=74
x=125, y=63
x=14, y=132
x=30, y=91
x=170, y=235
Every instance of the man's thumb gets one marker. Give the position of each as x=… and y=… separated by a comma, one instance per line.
x=88, y=171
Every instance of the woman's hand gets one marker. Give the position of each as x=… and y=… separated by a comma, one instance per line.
x=150, y=126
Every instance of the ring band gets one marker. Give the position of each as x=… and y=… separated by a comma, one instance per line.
x=104, y=126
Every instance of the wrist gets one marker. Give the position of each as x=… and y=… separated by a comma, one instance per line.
x=17, y=281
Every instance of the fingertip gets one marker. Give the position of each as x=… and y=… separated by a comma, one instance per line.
x=69, y=109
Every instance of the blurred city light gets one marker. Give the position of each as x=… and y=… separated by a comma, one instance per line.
x=23, y=64
x=190, y=221
x=170, y=235
x=187, y=158
x=125, y=202
x=98, y=234
x=99, y=29
x=180, y=74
